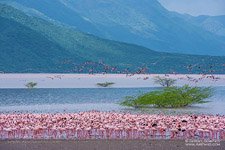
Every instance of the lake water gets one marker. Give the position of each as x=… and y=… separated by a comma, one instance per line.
x=102, y=99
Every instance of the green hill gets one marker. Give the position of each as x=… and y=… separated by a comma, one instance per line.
x=142, y=22
x=26, y=50
x=30, y=44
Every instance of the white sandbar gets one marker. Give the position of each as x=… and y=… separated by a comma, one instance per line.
x=90, y=81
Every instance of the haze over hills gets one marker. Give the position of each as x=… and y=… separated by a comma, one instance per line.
x=144, y=23
x=213, y=24
x=30, y=44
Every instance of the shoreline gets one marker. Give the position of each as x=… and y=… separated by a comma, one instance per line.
x=90, y=81
x=108, y=144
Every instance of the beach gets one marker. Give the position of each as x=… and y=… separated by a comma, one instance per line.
x=91, y=80
x=109, y=145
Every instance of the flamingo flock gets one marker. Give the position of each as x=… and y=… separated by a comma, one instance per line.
x=97, y=67
x=111, y=125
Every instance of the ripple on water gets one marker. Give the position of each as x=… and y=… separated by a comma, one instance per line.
x=76, y=100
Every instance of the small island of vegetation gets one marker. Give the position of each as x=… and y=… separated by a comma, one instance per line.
x=170, y=96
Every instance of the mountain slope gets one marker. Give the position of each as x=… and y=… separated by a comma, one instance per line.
x=143, y=22
x=52, y=9
x=23, y=49
x=213, y=24
x=29, y=44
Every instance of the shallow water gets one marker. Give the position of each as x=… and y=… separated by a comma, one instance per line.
x=76, y=100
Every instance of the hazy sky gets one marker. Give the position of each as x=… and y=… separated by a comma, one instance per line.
x=196, y=7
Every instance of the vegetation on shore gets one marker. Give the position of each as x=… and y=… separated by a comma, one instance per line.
x=170, y=96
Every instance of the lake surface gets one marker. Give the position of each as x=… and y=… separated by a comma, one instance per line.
x=102, y=99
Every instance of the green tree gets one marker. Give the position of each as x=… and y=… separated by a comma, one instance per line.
x=31, y=85
x=165, y=82
x=106, y=84
x=170, y=97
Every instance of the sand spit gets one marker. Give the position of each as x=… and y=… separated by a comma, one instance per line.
x=90, y=81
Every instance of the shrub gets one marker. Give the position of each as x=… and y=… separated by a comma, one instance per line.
x=165, y=82
x=170, y=97
x=31, y=85
x=106, y=84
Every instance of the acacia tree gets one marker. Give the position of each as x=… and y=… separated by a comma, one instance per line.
x=106, y=84
x=31, y=85
x=170, y=97
x=165, y=82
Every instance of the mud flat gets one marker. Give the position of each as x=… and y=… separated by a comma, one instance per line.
x=111, y=145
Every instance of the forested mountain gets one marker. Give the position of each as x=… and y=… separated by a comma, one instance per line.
x=30, y=44
x=143, y=22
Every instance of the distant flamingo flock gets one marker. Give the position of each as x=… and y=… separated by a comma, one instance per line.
x=110, y=125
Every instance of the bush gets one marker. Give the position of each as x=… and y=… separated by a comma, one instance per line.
x=170, y=97
x=165, y=82
x=31, y=85
x=106, y=84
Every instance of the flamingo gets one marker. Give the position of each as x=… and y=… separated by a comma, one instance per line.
x=110, y=125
